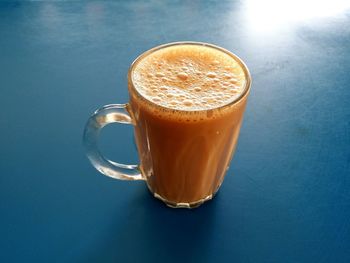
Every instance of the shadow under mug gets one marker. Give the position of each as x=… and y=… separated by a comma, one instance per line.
x=184, y=155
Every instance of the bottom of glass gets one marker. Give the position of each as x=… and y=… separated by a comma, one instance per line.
x=183, y=205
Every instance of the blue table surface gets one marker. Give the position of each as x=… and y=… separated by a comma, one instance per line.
x=286, y=197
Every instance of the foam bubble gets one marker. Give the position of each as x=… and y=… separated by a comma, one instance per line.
x=188, y=103
x=160, y=74
x=211, y=74
x=191, y=78
x=156, y=99
x=227, y=76
x=182, y=75
x=233, y=91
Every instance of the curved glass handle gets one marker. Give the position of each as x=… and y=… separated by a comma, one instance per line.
x=113, y=113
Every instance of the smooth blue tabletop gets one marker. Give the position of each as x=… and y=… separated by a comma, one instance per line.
x=286, y=197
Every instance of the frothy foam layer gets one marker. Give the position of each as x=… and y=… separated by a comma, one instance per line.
x=189, y=77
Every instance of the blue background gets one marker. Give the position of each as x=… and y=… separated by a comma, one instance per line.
x=286, y=197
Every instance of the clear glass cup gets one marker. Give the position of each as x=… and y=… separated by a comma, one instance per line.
x=183, y=163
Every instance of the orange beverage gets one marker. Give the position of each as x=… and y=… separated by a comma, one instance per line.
x=187, y=101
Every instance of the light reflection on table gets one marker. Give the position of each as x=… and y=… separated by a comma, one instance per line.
x=271, y=16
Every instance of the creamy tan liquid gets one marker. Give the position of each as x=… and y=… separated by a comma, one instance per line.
x=185, y=134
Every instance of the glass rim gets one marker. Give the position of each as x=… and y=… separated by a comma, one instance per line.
x=244, y=67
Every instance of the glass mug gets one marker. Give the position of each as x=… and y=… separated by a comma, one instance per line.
x=182, y=162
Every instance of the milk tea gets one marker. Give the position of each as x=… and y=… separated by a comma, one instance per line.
x=188, y=102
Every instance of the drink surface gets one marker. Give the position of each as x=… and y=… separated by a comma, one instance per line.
x=189, y=78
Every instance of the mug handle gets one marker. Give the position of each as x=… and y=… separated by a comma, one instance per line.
x=113, y=113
